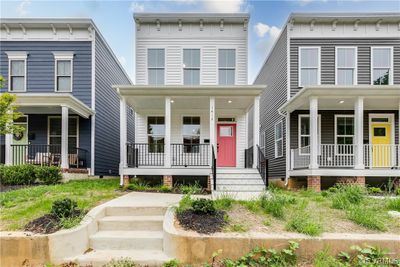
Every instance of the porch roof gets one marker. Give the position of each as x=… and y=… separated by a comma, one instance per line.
x=189, y=90
x=51, y=101
x=334, y=97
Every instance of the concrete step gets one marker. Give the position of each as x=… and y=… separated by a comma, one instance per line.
x=126, y=240
x=124, y=223
x=237, y=195
x=98, y=258
x=228, y=181
x=236, y=170
x=239, y=175
x=133, y=211
x=240, y=188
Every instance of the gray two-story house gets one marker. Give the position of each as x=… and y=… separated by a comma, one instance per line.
x=331, y=109
x=61, y=71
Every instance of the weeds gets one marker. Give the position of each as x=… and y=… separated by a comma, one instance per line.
x=347, y=195
x=303, y=223
x=394, y=204
x=365, y=217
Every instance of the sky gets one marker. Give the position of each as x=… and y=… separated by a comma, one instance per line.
x=115, y=22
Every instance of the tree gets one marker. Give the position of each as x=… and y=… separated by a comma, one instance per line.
x=8, y=113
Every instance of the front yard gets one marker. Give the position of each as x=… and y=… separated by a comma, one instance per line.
x=21, y=206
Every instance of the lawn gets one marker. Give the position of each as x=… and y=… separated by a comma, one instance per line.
x=20, y=206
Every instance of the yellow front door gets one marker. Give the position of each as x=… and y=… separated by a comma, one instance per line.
x=381, y=145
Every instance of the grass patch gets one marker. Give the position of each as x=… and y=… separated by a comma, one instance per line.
x=237, y=227
x=347, y=195
x=366, y=217
x=23, y=205
x=305, y=224
x=276, y=203
x=224, y=202
x=394, y=204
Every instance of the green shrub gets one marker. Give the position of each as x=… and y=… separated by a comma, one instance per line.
x=203, y=206
x=123, y=262
x=394, y=204
x=348, y=195
x=48, y=174
x=365, y=217
x=192, y=189
x=303, y=223
x=138, y=186
x=374, y=190
x=18, y=175
x=64, y=208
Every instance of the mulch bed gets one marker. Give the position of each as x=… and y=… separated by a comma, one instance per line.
x=201, y=223
x=47, y=224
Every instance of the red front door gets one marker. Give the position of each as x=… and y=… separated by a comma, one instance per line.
x=226, y=145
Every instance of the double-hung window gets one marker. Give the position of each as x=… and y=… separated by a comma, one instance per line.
x=382, y=65
x=304, y=133
x=63, y=71
x=17, y=71
x=278, y=139
x=55, y=133
x=191, y=66
x=344, y=134
x=346, y=65
x=226, y=66
x=309, y=66
x=156, y=66
x=156, y=133
x=191, y=134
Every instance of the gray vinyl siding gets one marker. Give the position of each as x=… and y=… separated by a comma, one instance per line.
x=41, y=65
x=107, y=146
x=328, y=58
x=274, y=75
x=328, y=125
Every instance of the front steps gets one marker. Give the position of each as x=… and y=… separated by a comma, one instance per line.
x=239, y=183
x=128, y=232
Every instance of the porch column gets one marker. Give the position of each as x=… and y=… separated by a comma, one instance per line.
x=123, y=133
x=213, y=140
x=359, y=133
x=314, y=133
x=64, y=137
x=8, y=152
x=256, y=129
x=167, y=142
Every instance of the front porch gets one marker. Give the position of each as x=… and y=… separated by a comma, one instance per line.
x=348, y=131
x=189, y=130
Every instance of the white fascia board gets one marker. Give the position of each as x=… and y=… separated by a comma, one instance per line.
x=63, y=55
x=16, y=54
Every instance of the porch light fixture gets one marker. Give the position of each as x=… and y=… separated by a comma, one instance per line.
x=341, y=101
x=229, y=101
x=172, y=101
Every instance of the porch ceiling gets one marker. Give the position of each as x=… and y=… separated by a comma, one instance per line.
x=333, y=97
x=51, y=103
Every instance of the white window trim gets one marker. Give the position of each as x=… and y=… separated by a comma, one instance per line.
x=279, y=139
x=355, y=74
x=184, y=67
x=346, y=135
x=59, y=117
x=299, y=132
x=64, y=56
x=391, y=63
x=165, y=63
x=236, y=63
x=262, y=141
x=319, y=64
x=17, y=55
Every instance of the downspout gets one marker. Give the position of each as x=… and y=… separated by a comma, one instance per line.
x=287, y=131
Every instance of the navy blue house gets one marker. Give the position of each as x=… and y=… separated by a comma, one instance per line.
x=61, y=71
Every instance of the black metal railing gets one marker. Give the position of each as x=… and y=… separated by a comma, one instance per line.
x=214, y=168
x=48, y=155
x=2, y=154
x=190, y=155
x=141, y=154
x=248, y=157
x=262, y=166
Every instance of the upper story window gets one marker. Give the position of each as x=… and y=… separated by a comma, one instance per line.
x=156, y=66
x=309, y=66
x=191, y=66
x=382, y=65
x=226, y=66
x=191, y=134
x=63, y=71
x=346, y=65
x=17, y=71
x=156, y=134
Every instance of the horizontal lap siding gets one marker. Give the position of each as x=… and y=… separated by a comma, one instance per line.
x=108, y=73
x=328, y=58
x=41, y=65
x=274, y=75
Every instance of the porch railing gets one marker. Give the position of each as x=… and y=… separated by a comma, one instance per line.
x=341, y=156
x=248, y=157
x=300, y=158
x=382, y=156
x=214, y=168
x=190, y=155
x=47, y=155
x=262, y=166
x=141, y=154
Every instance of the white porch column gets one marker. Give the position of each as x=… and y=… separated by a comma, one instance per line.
x=64, y=137
x=8, y=152
x=359, y=133
x=314, y=133
x=213, y=139
x=123, y=133
x=167, y=149
x=256, y=129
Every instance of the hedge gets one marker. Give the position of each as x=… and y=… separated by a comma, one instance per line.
x=29, y=174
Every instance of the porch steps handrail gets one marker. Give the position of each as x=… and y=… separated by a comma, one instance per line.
x=262, y=165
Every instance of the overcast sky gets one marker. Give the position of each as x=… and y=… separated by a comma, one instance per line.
x=114, y=18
